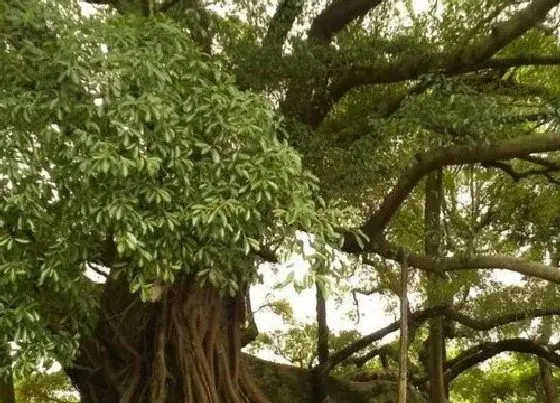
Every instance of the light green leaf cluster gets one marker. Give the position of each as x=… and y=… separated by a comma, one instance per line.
x=41, y=387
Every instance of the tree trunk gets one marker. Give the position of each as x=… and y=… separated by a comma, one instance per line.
x=547, y=379
x=7, y=393
x=185, y=348
x=545, y=368
x=436, y=342
x=403, y=355
x=320, y=381
x=550, y=391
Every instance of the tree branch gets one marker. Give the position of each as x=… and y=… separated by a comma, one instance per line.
x=505, y=32
x=419, y=317
x=250, y=332
x=382, y=352
x=415, y=67
x=282, y=22
x=518, y=175
x=444, y=264
x=484, y=351
x=490, y=323
x=454, y=155
x=522, y=60
x=337, y=15
x=352, y=348
x=103, y=2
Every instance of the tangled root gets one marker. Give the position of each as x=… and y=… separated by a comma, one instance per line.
x=184, y=349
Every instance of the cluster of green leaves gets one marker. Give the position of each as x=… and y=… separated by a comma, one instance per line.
x=511, y=379
x=122, y=145
x=45, y=387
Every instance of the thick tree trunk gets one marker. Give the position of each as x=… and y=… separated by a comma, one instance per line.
x=7, y=394
x=436, y=341
x=185, y=348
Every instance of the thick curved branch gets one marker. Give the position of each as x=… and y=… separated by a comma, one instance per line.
x=484, y=351
x=282, y=22
x=352, y=348
x=516, y=176
x=490, y=323
x=337, y=15
x=505, y=32
x=419, y=317
x=382, y=352
x=523, y=60
x=454, y=155
x=443, y=264
x=415, y=67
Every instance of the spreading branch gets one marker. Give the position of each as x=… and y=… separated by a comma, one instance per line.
x=387, y=73
x=337, y=15
x=516, y=175
x=444, y=264
x=453, y=155
x=490, y=323
x=417, y=318
x=484, y=351
x=382, y=352
x=282, y=22
x=358, y=345
x=473, y=57
x=505, y=32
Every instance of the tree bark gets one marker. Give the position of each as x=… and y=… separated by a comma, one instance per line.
x=185, y=348
x=436, y=343
x=486, y=350
x=403, y=355
x=545, y=368
x=547, y=379
x=7, y=393
x=320, y=389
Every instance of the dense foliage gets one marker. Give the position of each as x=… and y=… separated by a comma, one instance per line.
x=170, y=147
x=148, y=144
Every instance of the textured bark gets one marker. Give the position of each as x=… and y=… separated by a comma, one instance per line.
x=440, y=265
x=484, y=351
x=320, y=390
x=547, y=379
x=337, y=15
x=545, y=369
x=281, y=23
x=436, y=341
x=183, y=349
x=7, y=394
x=403, y=354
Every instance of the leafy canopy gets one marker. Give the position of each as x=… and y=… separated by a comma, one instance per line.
x=122, y=145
